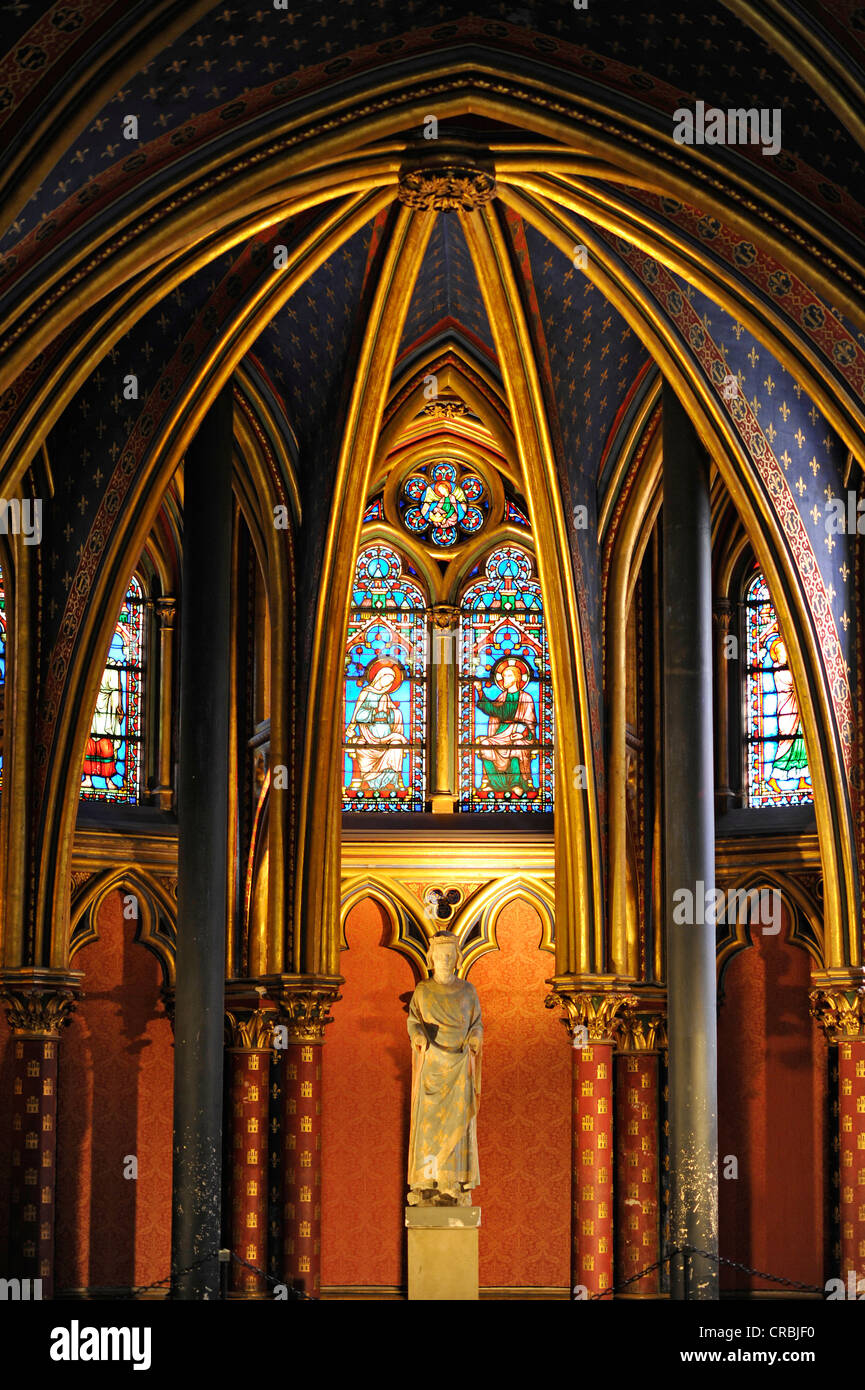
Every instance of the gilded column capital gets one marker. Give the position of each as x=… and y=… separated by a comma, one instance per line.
x=722, y=614
x=39, y=1003
x=839, y=1008
x=166, y=611
x=445, y=617
x=643, y=1032
x=249, y=1030
x=601, y=1011
x=303, y=1005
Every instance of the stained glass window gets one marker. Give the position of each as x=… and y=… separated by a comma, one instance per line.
x=112, y=758
x=515, y=514
x=776, y=758
x=443, y=503
x=374, y=511
x=505, y=695
x=385, y=687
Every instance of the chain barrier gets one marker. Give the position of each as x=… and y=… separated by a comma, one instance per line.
x=269, y=1279
x=709, y=1255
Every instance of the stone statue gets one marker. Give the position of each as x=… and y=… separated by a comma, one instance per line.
x=444, y=1025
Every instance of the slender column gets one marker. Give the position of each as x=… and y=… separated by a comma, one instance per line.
x=689, y=854
x=722, y=614
x=299, y=1036
x=442, y=676
x=638, y=1239
x=592, y=1025
x=249, y=1053
x=36, y=1016
x=202, y=855
x=163, y=792
x=841, y=1012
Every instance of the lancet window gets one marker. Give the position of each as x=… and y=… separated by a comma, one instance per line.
x=113, y=754
x=505, y=696
x=776, y=760
x=385, y=711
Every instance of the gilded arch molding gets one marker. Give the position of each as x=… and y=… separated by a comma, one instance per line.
x=588, y=119
x=831, y=787
x=77, y=666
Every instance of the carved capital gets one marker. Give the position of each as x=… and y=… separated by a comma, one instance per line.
x=304, y=1003
x=603, y=1015
x=722, y=614
x=249, y=1029
x=840, y=1011
x=643, y=1032
x=445, y=618
x=446, y=187
x=166, y=611
x=37, y=1004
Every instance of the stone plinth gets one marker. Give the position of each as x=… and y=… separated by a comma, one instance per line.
x=442, y=1252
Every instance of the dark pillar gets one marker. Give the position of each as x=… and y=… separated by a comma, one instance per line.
x=202, y=854
x=689, y=854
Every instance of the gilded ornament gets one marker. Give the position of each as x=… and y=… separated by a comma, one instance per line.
x=304, y=1009
x=249, y=1029
x=446, y=188
x=839, y=1011
x=603, y=1016
x=38, y=1013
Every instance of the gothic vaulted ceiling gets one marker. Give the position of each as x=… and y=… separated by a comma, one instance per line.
x=195, y=190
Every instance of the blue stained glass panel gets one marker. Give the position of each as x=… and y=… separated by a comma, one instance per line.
x=505, y=696
x=776, y=758
x=384, y=716
x=112, y=757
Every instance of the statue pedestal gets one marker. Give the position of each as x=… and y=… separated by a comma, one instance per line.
x=442, y=1252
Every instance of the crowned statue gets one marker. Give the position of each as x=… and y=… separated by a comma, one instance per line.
x=444, y=1025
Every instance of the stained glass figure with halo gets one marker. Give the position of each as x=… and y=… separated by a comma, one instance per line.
x=385, y=687
x=444, y=504
x=506, y=703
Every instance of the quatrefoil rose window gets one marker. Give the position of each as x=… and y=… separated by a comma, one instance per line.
x=443, y=505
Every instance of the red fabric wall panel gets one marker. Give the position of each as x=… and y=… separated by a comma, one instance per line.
x=116, y=1078
x=523, y=1126
x=366, y=1079
x=772, y=1079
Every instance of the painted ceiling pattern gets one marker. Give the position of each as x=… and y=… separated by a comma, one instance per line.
x=446, y=288
x=244, y=62
x=216, y=66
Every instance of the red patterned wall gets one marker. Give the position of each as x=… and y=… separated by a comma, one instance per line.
x=366, y=1077
x=116, y=1076
x=772, y=1080
x=523, y=1127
